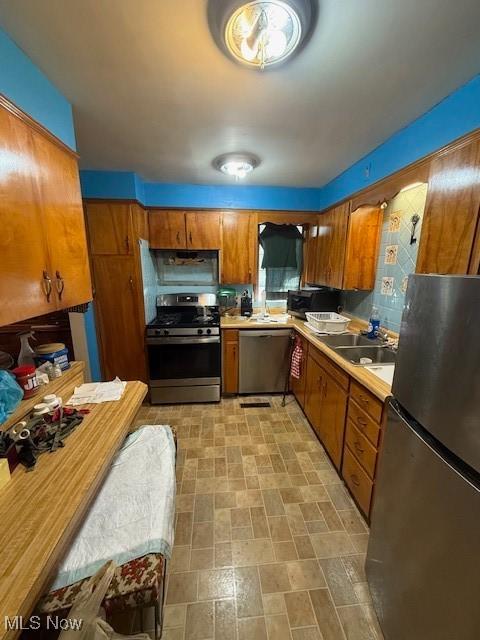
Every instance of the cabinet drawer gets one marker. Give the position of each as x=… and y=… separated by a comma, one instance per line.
x=364, y=422
x=357, y=480
x=340, y=376
x=367, y=401
x=363, y=450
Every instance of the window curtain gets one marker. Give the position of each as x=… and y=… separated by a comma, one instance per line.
x=282, y=246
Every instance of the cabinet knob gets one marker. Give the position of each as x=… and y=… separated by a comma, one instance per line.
x=127, y=244
x=354, y=479
x=190, y=237
x=60, y=284
x=358, y=447
x=178, y=237
x=47, y=285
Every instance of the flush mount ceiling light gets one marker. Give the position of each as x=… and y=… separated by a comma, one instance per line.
x=236, y=165
x=261, y=33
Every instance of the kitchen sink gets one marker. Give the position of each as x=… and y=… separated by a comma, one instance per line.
x=377, y=355
x=349, y=340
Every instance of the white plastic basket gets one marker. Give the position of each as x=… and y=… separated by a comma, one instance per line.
x=328, y=322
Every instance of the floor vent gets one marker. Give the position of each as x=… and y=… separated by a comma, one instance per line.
x=254, y=405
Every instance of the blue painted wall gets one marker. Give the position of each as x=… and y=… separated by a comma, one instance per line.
x=124, y=184
x=25, y=85
x=32, y=91
x=453, y=117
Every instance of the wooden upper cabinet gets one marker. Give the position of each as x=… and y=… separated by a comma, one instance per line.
x=451, y=212
x=64, y=224
x=167, y=229
x=204, y=230
x=23, y=249
x=310, y=253
x=363, y=242
x=41, y=219
x=331, y=243
x=110, y=228
x=347, y=247
x=239, y=243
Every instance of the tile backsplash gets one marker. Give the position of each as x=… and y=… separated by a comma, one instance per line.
x=150, y=280
x=396, y=260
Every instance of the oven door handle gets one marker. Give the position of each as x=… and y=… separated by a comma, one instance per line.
x=184, y=340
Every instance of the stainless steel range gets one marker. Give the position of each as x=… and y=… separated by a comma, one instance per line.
x=183, y=345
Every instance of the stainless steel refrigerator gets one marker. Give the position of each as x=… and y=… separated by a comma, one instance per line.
x=423, y=559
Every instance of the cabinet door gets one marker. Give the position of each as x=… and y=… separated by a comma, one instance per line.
x=298, y=385
x=451, y=212
x=313, y=393
x=337, y=231
x=22, y=241
x=332, y=423
x=363, y=242
x=109, y=228
x=331, y=244
x=64, y=224
x=310, y=253
x=116, y=306
x=239, y=233
x=167, y=229
x=204, y=230
x=230, y=361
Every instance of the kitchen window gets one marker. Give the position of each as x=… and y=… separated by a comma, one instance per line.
x=277, y=276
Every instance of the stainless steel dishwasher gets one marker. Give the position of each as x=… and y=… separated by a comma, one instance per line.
x=263, y=360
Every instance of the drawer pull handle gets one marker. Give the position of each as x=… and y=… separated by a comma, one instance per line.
x=362, y=421
x=354, y=479
x=358, y=447
x=60, y=284
x=363, y=399
x=47, y=285
x=178, y=237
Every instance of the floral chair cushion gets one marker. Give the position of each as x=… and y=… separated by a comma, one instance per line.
x=137, y=583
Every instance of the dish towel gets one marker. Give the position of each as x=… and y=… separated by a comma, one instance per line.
x=297, y=359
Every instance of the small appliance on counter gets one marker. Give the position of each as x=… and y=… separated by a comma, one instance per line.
x=301, y=301
x=246, y=305
x=183, y=345
x=227, y=299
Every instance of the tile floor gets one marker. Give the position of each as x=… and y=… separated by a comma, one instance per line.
x=268, y=543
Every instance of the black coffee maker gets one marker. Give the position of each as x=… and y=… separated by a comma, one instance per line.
x=246, y=307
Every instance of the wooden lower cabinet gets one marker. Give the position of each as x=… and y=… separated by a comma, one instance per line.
x=121, y=335
x=357, y=481
x=348, y=420
x=298, y=385
x=332, y=424
x=313, y=393
x=230, y=361
x=326, y=406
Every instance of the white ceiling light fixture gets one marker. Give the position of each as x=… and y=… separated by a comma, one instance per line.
x=261, y=33
x=236, y=165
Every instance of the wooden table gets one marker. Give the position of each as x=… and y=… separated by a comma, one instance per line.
x=40, y=511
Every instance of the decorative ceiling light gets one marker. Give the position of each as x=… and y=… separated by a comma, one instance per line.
x=236, y=165
x=261, y=33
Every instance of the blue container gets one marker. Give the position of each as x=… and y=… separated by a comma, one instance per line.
x=59, y=357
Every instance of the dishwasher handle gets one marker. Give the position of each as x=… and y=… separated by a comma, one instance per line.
x=273, y=333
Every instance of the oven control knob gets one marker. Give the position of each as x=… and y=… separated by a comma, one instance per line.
x=165, y=332
x=157, y=332
x=209, y=331
x=200, y=331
